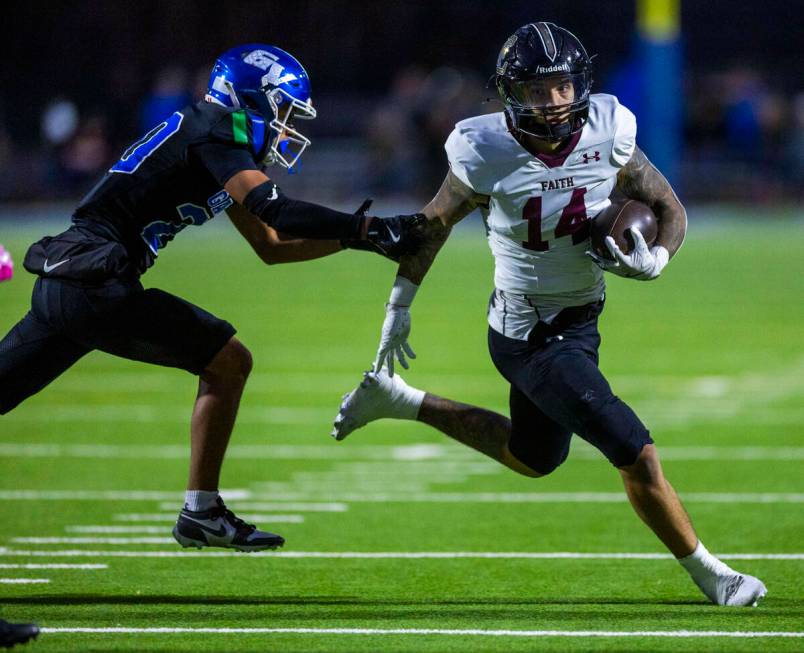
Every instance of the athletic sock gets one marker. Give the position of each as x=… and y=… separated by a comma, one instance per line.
x=406, y=399
x=199, y=500
x=705, y=569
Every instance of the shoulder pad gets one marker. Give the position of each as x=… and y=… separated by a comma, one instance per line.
x=244, y=129
x=481, y=151
x=611, y=121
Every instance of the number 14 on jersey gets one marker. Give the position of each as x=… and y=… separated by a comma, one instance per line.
x=573, y=221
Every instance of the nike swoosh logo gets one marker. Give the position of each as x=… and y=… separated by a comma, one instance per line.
x=395, y=237
x=220, y=532
x=274, y=194
x=49, y=268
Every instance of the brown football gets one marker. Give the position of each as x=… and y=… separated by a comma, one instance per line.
x=615, y=221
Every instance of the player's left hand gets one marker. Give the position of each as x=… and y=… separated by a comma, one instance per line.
x=642, y=263
x=394, y=339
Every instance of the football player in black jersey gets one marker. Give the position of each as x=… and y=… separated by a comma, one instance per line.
x=201, y=161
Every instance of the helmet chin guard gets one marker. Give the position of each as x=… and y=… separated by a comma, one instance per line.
x=289, y=143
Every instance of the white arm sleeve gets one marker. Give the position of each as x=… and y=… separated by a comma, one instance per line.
x=624, y=136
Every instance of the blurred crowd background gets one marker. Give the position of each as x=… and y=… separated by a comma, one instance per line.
x=81, y=80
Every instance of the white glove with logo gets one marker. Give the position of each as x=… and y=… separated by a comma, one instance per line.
x=396, y=327
x=642, y=263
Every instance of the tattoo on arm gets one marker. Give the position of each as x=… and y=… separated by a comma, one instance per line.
x=640, y=180
x=453, y=202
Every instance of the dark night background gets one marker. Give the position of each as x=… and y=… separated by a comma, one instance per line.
x=103, y=57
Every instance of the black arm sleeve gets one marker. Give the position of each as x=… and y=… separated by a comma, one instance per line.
x=300, y=219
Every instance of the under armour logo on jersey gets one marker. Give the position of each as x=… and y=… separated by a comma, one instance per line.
x=591, y=157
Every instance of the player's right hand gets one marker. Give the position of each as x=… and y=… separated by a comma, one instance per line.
x=365, y=245
x=394, y=339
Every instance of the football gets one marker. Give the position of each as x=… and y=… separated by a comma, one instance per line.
x=615, y=221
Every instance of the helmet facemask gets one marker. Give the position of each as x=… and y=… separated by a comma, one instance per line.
x=532, y=111
x=287, y=143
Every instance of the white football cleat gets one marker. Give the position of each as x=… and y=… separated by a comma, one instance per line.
x=377, y=396
x=732, y=589
x=739, y=590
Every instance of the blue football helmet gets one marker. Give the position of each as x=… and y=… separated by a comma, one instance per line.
x=268, y=80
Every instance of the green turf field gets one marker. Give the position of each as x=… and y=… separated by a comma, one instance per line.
x=711, y=356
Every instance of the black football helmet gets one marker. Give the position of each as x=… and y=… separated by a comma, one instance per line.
x=535, y=53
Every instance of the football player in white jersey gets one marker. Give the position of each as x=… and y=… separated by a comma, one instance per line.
x=539, y=172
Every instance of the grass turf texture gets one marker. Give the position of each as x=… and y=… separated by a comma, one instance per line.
x=710, y=356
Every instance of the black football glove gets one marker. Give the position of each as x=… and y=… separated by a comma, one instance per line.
x=365, y=245
x=389, y=237
x=398, y=235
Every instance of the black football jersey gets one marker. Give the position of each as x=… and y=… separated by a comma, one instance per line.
x=173, y=177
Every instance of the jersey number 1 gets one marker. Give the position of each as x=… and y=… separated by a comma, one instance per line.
x=573, y=221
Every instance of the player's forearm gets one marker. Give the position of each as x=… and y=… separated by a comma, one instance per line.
x=297, y=249
x=414, y=267
x=453, y=202
x=275, y=247
x=640, y=180
x=672, y=219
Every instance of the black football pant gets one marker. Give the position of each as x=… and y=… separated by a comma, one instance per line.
x=69, y=319
x=556, y=390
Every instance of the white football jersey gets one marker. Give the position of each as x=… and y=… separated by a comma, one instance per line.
x=540, y=207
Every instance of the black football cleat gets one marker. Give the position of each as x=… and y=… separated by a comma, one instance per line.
x=11, y=634
x=219, y=526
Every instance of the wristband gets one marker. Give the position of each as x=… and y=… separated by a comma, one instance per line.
x=403, y=292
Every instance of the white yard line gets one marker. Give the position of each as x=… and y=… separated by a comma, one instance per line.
x=53, y=566
x=171, y=517
x=401, y=453
x=93, y=540
x=109, y=530
x=153, y=413
x=295, y=506
x=537, y=497
x=108, y=495
x=24, y=581
x=391, y=555
x=400, y=496
x=439, y=631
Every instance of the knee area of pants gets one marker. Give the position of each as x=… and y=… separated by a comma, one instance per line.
x=548, y=467
x=540, y=466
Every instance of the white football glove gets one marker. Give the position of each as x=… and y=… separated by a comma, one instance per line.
x=642, y=263
x=396, y=327
x=394, y=339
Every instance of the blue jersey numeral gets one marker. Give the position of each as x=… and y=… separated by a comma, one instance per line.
x=159, y=233
x=140, y=150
